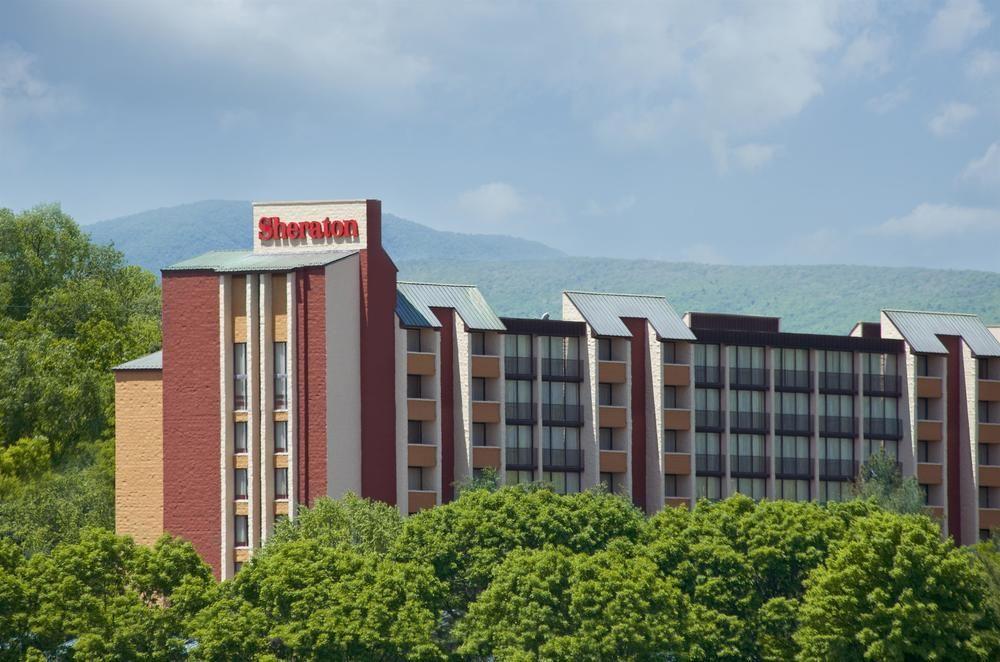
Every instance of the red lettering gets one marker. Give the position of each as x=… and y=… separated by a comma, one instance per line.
x=293, y=230
x=266, y=229
x=327, y=231
x=338, y=228
x=316, y=230
x=351, y=228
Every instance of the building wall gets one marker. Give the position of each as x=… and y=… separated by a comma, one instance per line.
x=191, y=410
x=311, y=383
x=139, y=454
x=343, y=378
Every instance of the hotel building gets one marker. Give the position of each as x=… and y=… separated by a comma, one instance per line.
x=303, y=368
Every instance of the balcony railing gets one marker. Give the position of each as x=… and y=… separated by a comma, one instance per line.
x=748, y=377
x=707, y=375
x=521, y=458
x=838, y=469
x=838, y=426
x=562, y=459
x=562, y=414
x=838, y=382
x=748, y=465
x=883, y=385
x=750, y=421
x=708, y=463
x=884, y=428
x=519, y=367
x=793, y=423
x=569, y=369
x=708, y=418
x=793, y=380
x=793, y=467
x=520, y=412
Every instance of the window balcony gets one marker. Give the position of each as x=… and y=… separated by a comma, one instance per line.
x=421, y=455
x=838, y=382
x=562, y=369
x=613, y=462
x=883, y=428
x=884, y=385
x=797, y=424
x=707, y=375
x=793, y=380
x=756, y=466
x=421, y=500
x=610, y=416
x=611, y=372
x=420, y=363
x=520, y=413
x=571, y=415
x=793, y=467
x=749, y=421
x=519, y=367
x=708, y=419
x=708, y=464
x=842, y=470
x=930, y=473
x=486, y=457
x=838, y=426
x=559, y=459
x=677, y=464
x=930, y=387
x=676, y=374
x=748, y=378
x=487, y=367
x=521, y=458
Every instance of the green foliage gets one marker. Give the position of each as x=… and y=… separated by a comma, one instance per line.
x=894, y=590
x=368, y=526
x=881, y=481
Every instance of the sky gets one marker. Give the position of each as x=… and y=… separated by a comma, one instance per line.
x=766, y=132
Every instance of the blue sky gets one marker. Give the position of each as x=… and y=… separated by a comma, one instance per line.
x=769, y=132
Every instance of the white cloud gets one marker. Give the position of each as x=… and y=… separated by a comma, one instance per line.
x=491, y=203
x=983, y=64
x=748, y=157
x=951, y=118
x=615, y=208
x=933, y=221
x=957, y=22
x=23, y=92
x=868, y=53
x=985, y=171
x=889, y=101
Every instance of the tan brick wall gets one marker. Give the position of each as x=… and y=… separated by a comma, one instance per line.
x=139, y=454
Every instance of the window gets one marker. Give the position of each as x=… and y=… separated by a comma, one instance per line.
x=791, y=457
x=983, y=368
x=707, y=452
x=670, y=397
x=792, y=359
x=241, y=531
x=517, y=344
x=989, y=455
x=707, y=407
x=607, y=439
x=986, y=412
x=562, y=482
x=747, y=454
x=889, y=446
x=834, y=490
x=519, y=477
x=414, y=386
x=925, y=493
x=604, y=348
x=670, y=441
x=479, y=434
x=706, y=355
x=839, y=362
x=478, y=343
x=751, y=487
x=670, y=487
x=923, y=366
x=708, y=487
x=746, y=410
x=560, y=348
x=479, y=388
x=281, y=436
x=518, y=391
x=415, y=432
x=240, y=376
x=240, y=484
x=413, y=340
x=280, y=375
x=419, y=479
x=791, y=490
x=611, y=483
x=923, y=409
x=240, y=437
x=879, y=364
x=605, y=394
x=923, y=451
x=237, y=566
x=670, y=352
x=746, y=366
x=281, y=483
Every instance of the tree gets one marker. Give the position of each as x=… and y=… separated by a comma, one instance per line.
x=893, y=590
x=881, y=481
x=366, y=525
x=551, y=604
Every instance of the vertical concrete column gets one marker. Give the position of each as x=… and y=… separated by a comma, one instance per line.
x=814, y=410
x=771, y=430
x=253, y=415
x=727, y=486
x=295, y=492
x=265, y=335
x=590, y=433
x=655, y=446
x=536, y=349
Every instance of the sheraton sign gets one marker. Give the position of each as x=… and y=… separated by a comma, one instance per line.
x=272, y=227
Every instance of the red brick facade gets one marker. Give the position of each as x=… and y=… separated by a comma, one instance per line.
x=310, y=331
x=637, y=327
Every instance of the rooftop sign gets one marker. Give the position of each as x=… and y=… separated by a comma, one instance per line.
x=285, y=227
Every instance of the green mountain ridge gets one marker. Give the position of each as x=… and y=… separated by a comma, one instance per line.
x=526, y=278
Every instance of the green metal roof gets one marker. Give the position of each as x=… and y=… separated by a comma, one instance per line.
x=416, y=300
x=152, y=361
x=921, y=331
x=604, y=313
x=246, y=261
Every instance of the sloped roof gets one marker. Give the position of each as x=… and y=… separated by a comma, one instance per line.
x=604, y=313
x=415, y=300
x=246, y=261
x=921, y=331
x=152, y=361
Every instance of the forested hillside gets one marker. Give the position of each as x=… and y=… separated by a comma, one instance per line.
x=525, y=278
